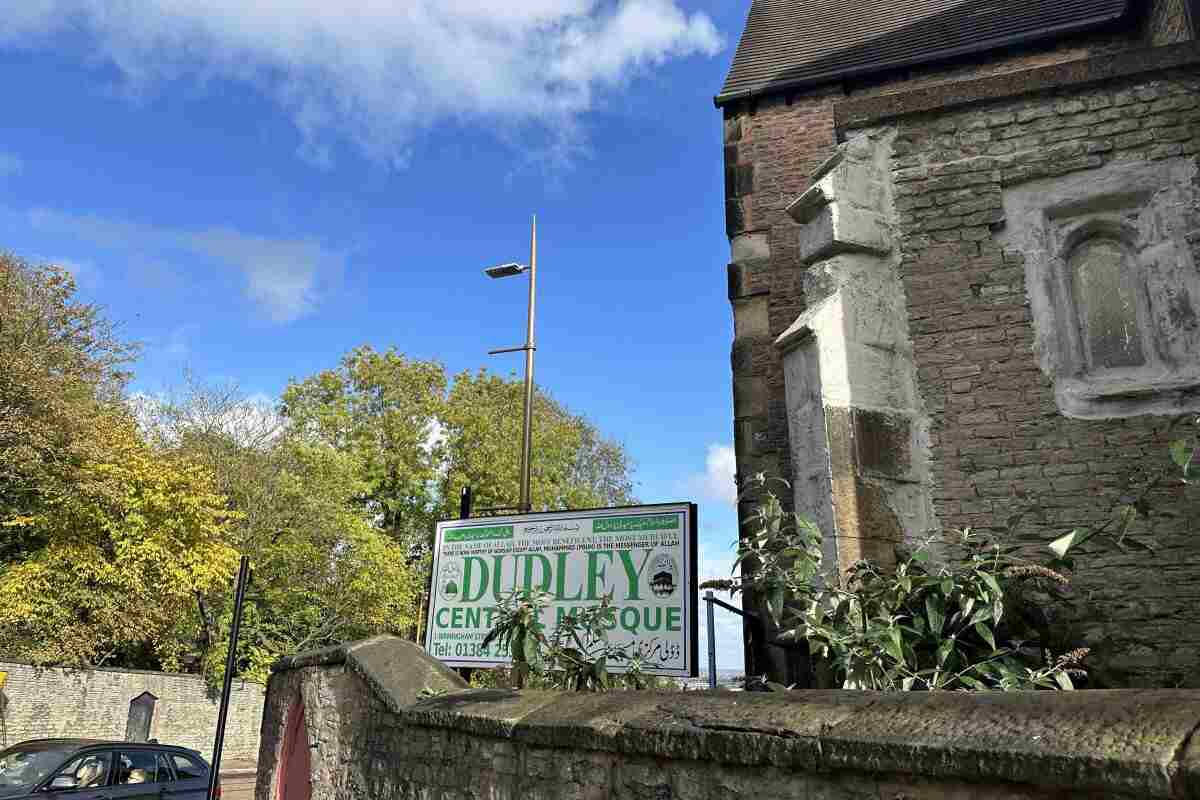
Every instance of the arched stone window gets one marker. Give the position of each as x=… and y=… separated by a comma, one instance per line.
x=1104, y=275
x=1111, y=273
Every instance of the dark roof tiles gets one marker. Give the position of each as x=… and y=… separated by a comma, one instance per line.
x=803, y=42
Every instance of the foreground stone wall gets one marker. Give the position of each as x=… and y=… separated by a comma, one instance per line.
x=372, y=736
x=51, y=702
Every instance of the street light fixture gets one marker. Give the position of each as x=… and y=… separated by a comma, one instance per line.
x=507, y=271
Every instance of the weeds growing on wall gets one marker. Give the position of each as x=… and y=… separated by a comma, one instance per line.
x=575, y=656
x=1135, y=502
x=972, y=622
x=923, y=625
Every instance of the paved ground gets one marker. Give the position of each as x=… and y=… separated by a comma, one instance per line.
x=237, y=780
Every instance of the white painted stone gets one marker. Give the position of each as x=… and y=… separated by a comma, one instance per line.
x=852, y=341
x=746, y=246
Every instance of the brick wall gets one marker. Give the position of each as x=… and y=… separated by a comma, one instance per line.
x=52, y=702
x=769, y=154
x=367, y=741
x=772, y=144
x=1000, y=445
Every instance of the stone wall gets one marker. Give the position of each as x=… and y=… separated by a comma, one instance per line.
x=52, y=702
x=372, y=736
x=772, y=146
x=1006, y=437
x=1001, y=422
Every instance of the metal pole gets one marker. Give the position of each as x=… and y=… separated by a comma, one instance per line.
x=223, y=713
x=527, y=442
x=712, y=641
x=464, y=503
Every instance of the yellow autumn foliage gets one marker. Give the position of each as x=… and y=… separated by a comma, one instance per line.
x=122, y=556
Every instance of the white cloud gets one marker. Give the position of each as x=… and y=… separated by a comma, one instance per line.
x=376, y=72
x=178, y=345
x=10, y=164
x=283, y=277
x=717, y=482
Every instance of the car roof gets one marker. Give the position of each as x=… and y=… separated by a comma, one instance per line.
x=80, y=744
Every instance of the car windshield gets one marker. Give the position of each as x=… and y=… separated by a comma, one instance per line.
x=24, y=766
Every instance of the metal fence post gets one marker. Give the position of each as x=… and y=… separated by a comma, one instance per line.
x=712, y=641
x=230, y=661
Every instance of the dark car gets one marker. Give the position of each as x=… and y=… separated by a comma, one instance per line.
x=88, y=769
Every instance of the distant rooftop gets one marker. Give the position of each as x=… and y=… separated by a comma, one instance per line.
x=795, y=43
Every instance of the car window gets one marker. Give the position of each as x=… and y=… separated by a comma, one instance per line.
x=164, y=769
x=24, y=766
x=139, y=766
x=187, y=768
x=86, y=772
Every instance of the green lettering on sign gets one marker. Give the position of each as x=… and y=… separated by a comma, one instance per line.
x=661, y=522
x=474, y=534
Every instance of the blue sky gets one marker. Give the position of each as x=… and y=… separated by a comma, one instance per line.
x=252, y=189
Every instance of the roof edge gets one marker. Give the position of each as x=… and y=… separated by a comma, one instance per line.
x=996, y=43
x=861, y=111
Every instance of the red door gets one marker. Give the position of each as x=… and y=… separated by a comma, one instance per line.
x=294, y=766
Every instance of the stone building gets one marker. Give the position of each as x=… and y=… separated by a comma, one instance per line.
x=965, y=279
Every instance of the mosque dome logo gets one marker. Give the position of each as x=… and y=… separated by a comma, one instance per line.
x=664, y=575
x=450, y=582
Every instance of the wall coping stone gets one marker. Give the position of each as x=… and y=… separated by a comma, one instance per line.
x=73, y=670
x=862, y=111
x=396, y=669
x=1129, y=741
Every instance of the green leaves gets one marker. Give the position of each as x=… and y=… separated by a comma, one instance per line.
x=935, y=612
x=575, y=656
x=1063, y=545
x=923, y=625
x=575, y=466
x=986, y=634
x=1183, y=452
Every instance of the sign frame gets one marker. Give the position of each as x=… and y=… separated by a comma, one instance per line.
x=690, y=542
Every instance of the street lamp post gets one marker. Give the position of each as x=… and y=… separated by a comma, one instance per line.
x=505, y=271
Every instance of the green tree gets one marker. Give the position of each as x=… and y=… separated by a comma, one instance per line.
x=572, y=464
x=382, y=409
x=129, y=539
x=61, y=371
x=101, y=539
x=323, y=572
x=417, y=445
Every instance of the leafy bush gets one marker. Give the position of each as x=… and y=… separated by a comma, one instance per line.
x=575, y=656
x=923, y=625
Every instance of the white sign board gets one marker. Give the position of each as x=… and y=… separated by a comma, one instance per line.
x=644, y=556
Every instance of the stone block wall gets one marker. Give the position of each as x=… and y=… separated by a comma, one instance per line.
x=769, y=155
x=772, y=145
x=368, y=741
x=1001, y=443
x=999, y=427
x=40, y=703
